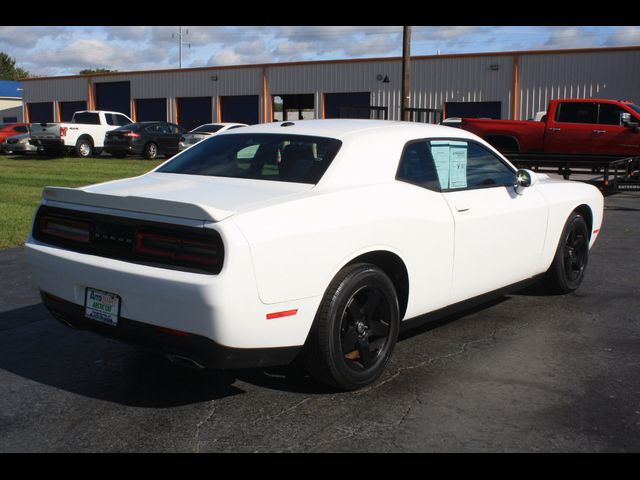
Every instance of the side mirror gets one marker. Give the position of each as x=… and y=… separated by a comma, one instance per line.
x=627, y=121
x=525, y=179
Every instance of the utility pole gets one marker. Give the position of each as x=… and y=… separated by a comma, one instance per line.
x=406, y=72
x=180, y=42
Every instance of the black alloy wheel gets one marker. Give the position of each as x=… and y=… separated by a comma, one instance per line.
x=365, y=328
x=572, y=256
x=355, y=330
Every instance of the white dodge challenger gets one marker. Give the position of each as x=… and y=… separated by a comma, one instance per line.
x=319, y=238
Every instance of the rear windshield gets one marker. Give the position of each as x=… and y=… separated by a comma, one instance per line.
x=278, y=157
x=86, y=118
x=206, y=129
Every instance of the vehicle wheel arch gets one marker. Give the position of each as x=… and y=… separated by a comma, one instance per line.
x=391, y=264
x=86, y=136
x=585, y=211
x=499, y=141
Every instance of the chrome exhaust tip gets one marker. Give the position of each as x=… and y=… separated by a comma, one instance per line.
x=184, y=361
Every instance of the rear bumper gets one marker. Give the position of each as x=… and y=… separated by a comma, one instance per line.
x=204, y=351
x=47, y=142
x=18, y=147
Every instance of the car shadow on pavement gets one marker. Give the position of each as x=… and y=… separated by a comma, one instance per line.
x=36, y=347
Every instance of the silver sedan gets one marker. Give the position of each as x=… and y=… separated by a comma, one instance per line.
x=205, y=131
x=18, y=144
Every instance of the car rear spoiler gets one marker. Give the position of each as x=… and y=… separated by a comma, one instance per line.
x=136, y=204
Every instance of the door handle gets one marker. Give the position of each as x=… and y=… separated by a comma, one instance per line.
x=554, y=129
x=599, y=131
x=462, y=207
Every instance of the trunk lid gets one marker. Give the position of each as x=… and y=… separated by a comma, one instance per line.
x=186, y=196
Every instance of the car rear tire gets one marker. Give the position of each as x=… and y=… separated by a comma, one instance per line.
x=572, y=256
x=355, y=330
x=84, y=148
x=150, y=151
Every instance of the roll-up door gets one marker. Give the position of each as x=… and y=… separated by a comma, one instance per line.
x=347, y=105
x=67, y=109
x=194, y=111
x=240, y=109
x=40, y=112
x=151, y=110
x=114, y=96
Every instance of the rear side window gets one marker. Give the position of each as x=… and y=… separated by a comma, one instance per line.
x=577, y=112
x=21, y=129
x=87, y=118
x=277, y=157
x=122, y=120
x=417, y=167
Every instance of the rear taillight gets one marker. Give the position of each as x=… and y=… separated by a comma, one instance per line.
x=63, y=131
x=178, y=249
x=131, y=135
x=73, y=230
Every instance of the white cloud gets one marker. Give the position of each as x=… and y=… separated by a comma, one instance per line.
x=567, y=37
x=625, y=36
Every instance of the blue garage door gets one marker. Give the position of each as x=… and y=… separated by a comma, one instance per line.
x=240, y=109
x=151, y=110
x=67, y=109
x=194, y=111
x=40, y=112
x=347, y=105
x=114, y=96
x=473, y=109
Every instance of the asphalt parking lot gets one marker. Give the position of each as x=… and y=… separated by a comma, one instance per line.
x=525, y=373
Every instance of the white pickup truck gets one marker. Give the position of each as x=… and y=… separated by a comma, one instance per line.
x=84, y=135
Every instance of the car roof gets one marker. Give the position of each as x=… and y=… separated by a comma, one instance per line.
x=344, y=128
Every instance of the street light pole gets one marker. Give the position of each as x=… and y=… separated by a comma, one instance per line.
x=406, y=72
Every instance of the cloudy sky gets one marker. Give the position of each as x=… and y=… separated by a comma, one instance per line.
x=67, y=50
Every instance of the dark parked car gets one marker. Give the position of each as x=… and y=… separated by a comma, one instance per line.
x=148, y=139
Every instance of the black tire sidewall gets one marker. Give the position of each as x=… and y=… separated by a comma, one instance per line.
x=79, y=145
x=146, y=152
x=566, y=286
x=328, y=331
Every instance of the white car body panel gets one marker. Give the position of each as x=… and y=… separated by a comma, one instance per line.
x=284, y=242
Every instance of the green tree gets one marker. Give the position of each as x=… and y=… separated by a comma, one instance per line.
x=8, y=69
x=91, y=71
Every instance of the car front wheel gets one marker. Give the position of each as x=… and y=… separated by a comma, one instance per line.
x=355, y=330
x=572, y=256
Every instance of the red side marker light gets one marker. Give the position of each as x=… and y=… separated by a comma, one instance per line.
x=286, y=313
x=170, y=331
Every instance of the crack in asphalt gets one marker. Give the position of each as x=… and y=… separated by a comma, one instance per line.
x=428, y=361
x=196, y=448
x=282, y=412
x=349, y=432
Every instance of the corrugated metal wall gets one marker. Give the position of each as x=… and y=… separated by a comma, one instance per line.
x=436, y=81
x=608, y=73
x=60, y=89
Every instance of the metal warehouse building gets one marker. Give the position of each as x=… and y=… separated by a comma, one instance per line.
x=510, y=85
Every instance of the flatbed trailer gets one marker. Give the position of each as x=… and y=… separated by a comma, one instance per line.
x=617, y=173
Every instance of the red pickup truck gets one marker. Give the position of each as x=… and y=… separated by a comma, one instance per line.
x=590, y=127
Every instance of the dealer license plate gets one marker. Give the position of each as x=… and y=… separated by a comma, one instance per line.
x=102, y=306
